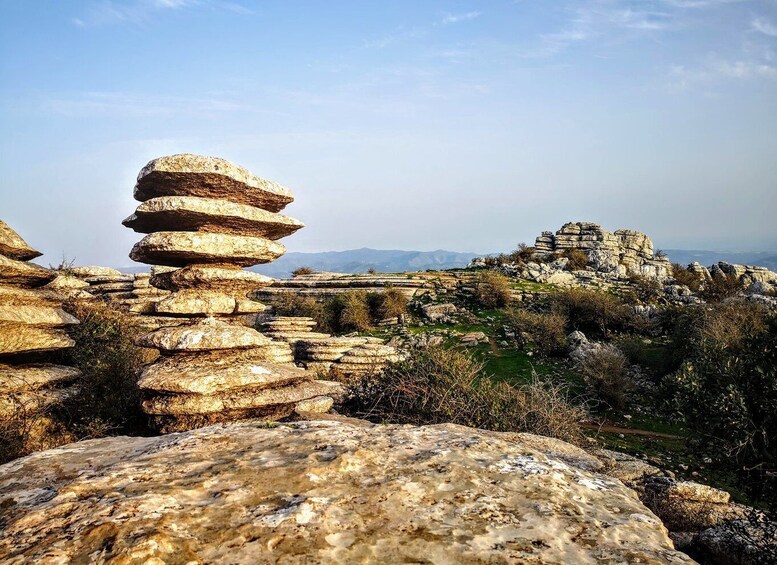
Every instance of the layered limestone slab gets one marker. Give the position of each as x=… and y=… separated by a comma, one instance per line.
x=10, y=295
x=93, y=271
x=13, y=246
x=193, y=302
x=207, y=335
x=189, y=213
x=20, y=273
x=209, y=177
x=66, y=283
x=177, y=249
x=46, y=316
x=207, y=277
x=243, y=399
x=14, y=378
x=20, y=338
x=321, y=492
x=209, y=374
x=35, y=401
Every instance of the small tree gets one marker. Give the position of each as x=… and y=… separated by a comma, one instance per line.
x=492, y=289
x=302, y=271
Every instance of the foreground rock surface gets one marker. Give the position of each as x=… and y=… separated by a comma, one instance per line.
x=319, y=492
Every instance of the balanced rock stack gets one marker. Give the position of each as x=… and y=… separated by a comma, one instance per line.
x=31, y=326
x=208, y=218
x=319, y=355
x=292, y=329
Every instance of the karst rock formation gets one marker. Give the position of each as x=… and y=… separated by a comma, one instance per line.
x=32, y=324
x=205, y=219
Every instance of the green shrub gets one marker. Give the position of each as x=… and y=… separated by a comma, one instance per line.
x=590, y=311
x=292, y=304
x=726, y=389
x=578, y=260
x=438, y=385
x=492, y=289
x=547, y=330
x=605, y=371
x=391, y=303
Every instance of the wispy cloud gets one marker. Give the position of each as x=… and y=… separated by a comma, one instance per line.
x=699, y=3
x=142, y=12
x=463, y=17
x=762, y=25
x=717, y=70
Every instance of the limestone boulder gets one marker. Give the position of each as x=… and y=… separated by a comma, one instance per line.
x=189, y=213
x=93, y=271
x=178, y=249
x=13, y=246
x=193, y=302
x=32, y=402
x=65, y=283
x=210, y=277
x=208, y=177
x=19, y=273
x=319, y=492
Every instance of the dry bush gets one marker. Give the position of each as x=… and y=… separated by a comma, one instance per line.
x=391, y=303
x=106, y=354
x=685, y=277
x=302, y=271
x=347, y=312
x=605, y=371
x=578, y=260
x=644, y=289
x=292, y=304
x=437, y=385
x=492, y=289
x=547, y=330
x=590, y=311
x=720, y=287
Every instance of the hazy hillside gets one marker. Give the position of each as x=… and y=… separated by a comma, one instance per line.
x=361, y=260
x=766, y=259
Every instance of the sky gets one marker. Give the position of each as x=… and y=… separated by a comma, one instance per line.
x=423, y=124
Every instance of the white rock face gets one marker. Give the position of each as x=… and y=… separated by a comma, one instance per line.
x=320, y=492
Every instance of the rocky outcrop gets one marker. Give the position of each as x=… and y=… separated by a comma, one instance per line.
x=323, y=492
x=211, y=218
x=32, y=327
x=624, y=251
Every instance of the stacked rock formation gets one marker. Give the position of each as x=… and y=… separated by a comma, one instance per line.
x=208, y=218
x=321, y=355
x=368, y=358
x=31, y=328
x=624, y=250
x=292, y=329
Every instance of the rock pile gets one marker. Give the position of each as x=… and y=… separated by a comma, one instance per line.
x=624, y=251
x=292, y=329
x=32, y=326
x=207, y=218
x=370, y=357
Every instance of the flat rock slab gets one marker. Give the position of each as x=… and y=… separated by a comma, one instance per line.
x=209, y=177
x=19, y=273
x=207, y=277
x=20, y=338
x=13, y=246
x=212, y=373
x=207, y=335
x=67, y=282
x=243, y=399
x=193, y=302
x=14, y=378
x=93, y=271
x=190, y=213
x=46, y=316
x=177, y=249
x=320, y=492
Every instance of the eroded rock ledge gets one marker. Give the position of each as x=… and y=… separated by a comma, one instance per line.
x=321, y=492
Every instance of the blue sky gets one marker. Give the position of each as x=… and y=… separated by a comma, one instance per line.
x=462, y=125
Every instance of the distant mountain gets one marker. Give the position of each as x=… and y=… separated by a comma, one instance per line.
x=362, y=260
x=766, y=259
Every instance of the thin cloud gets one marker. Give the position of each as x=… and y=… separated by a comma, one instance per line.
x=456, y=18
x=762, y=25
x=717, y=70
x=142, y=12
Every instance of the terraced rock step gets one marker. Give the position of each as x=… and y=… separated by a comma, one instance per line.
x=209, y=277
